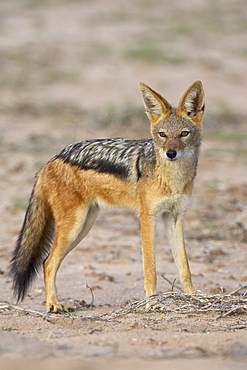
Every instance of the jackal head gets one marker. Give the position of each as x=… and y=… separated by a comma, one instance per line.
x=175, y=131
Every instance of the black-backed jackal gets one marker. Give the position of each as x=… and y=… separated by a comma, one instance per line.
x=153, y=176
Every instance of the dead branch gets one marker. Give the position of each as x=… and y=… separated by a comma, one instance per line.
x=172, y=283
x=92, y=302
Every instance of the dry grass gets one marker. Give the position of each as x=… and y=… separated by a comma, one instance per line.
x=170, y=302
x=178, y=302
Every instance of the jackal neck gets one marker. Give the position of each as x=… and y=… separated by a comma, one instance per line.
x=176, y=175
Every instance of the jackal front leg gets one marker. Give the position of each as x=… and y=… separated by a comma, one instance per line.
x=175, y=236
x=149, y=266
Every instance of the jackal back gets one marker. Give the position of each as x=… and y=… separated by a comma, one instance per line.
x=119, y=157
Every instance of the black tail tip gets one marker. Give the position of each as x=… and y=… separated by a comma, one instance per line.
x=21, y=283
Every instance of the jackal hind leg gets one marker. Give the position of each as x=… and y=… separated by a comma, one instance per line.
x=67, y=235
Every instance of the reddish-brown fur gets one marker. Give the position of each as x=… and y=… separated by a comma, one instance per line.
x=73, y=196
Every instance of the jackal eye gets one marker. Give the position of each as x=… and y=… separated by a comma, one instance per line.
x=162, y=134
x=185, y=133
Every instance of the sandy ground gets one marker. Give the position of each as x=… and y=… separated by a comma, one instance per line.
x=70, y=71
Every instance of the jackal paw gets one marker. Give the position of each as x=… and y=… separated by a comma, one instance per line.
x=151, y=304
x=58, y=307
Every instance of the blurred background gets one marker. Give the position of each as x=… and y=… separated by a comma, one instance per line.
x=79, y=63
x=70, y=70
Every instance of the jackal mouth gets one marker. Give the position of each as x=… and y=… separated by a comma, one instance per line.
x=173, y=155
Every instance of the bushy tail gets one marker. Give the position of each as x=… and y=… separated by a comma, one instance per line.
x=33, y=244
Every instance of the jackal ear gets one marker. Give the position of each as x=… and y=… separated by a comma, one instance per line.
x=155, y=105
x=192, y=103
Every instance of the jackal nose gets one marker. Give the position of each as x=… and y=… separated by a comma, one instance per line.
x=171, y=153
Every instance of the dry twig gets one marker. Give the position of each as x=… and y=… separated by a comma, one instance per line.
x=169, y=302
x=91, y=290
x=225, y=304
x=23, y=310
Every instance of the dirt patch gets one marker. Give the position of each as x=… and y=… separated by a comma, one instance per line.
x=70, y=71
